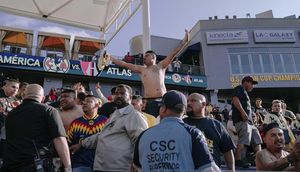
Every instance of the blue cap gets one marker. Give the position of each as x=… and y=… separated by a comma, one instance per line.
x=174, y=100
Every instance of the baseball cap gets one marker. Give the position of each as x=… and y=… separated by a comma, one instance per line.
x=174, y=100
x=249, y=79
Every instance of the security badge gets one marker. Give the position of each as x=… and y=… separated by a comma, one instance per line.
x=91, y=122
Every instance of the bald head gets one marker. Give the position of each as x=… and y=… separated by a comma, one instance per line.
x=196, y=105
x=198, y=97
x=35, y=92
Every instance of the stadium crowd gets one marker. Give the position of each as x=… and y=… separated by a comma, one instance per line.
x=74, y=130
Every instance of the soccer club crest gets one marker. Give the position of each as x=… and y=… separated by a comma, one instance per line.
x=58, y=65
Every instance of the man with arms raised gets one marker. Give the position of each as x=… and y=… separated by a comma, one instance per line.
x=29, y=128
x=153, y=75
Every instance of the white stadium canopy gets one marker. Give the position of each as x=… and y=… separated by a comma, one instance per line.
x=96, y=15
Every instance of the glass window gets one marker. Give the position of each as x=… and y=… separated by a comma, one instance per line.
x=245, y=63
x=288, y=63
x=238, y=50
x=297, y=61
x=256, y=63
x=234, y=62
x=259, y=50
x=277, y=63
x=280, y=50
x=266, y=63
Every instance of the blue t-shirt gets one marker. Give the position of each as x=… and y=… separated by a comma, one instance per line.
x=172, y=145
x=217, y=137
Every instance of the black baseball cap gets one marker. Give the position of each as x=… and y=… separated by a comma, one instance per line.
x=249, y=79
x=174, y=100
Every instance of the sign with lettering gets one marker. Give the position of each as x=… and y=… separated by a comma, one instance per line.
x=227, y=37
x=236, y=80
x=75, y=67
x=274, y=36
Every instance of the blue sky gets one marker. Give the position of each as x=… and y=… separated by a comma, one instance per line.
x=169, y=18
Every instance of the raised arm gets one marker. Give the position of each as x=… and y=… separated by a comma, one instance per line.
x=134, y=68
x=168, y=60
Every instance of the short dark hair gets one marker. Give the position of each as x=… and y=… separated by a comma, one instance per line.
x=113, y=90
x=126, y=87
x=68, y=91
x=91, y=96
x=137, y=97
x=150, y=52
x=268, y=127
x=81, y=96
x=10, y=80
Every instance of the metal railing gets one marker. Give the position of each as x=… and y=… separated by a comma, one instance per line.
x=93, y=57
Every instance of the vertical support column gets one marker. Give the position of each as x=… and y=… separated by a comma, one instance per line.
x=146, y=25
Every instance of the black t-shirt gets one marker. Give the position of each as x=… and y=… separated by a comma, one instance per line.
x=217, y=137
x=242, y=94
x=31, y=123
x=107, y=109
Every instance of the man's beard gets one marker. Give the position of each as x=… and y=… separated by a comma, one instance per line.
x=190, y=113
x=120, y=103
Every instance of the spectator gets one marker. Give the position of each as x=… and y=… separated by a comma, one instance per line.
x=52, y=94
x=153, y=75
x=8, y=101
x=128, y=58
x=80, y=98
x=100, y=94
x=276, y=116
x=218, y=139
x=225, y=113
x=90, y=123
x=273, y=157
x=22, y=87
x=137, y=103
x=287, y=113
x=248, y=134
x=114, y=144
x=259, y=109
x=296, y=124
x=177, y=64
x=69, y=110
x=108, y=108
x=172, y=138
x=38, y=125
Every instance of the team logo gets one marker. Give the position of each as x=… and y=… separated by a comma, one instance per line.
x=58, y=65
x=89, y=68
x=187, y=79
x=91, y=122
x=176, y=77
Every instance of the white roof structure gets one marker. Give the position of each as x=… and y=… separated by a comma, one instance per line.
x=96, y=15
